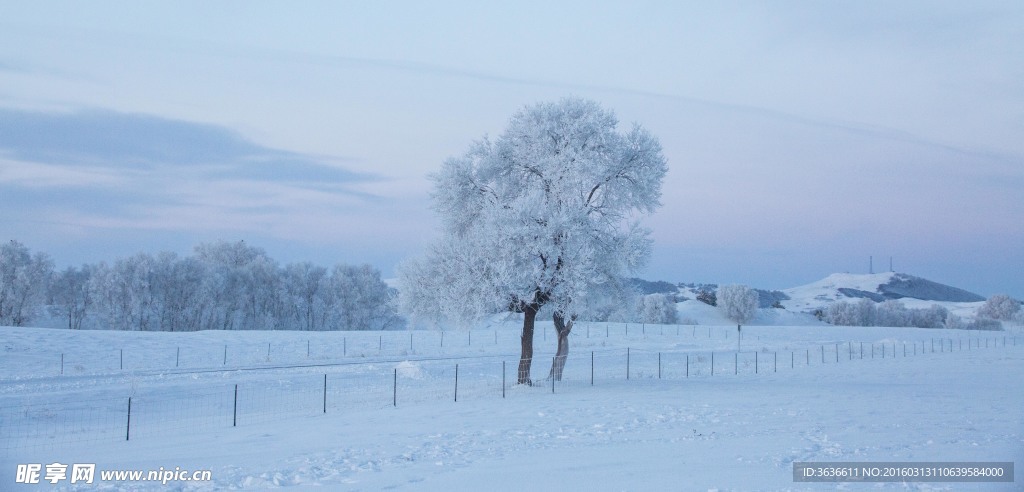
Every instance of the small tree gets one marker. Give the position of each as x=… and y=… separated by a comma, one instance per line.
x=71, y=296
x=24, y=279
x=999, y=306
x=657, y=308
x=737, y=302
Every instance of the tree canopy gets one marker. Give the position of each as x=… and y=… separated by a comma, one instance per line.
x=544, y=215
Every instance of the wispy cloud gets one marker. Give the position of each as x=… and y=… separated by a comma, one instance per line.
x=108, y=169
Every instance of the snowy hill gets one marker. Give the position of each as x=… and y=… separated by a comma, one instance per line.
x=878, y=287
x=798, y=303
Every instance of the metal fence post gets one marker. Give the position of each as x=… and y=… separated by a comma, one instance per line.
x=128, y=427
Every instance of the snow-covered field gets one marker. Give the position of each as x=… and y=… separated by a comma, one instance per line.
x=638, y=409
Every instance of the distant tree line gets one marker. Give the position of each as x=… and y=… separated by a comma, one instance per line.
x=221, y=286
x=866, y=312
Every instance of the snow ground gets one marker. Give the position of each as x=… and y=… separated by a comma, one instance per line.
x=688, y=430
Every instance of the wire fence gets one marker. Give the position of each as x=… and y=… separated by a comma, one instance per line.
x=45, y=421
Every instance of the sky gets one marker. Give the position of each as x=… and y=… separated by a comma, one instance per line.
x=802, y=138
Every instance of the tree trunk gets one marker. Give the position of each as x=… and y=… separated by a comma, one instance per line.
x=558, y=363
x=529, y=317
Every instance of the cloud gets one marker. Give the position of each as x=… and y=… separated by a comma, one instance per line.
x=141, y=142
x=103, y=169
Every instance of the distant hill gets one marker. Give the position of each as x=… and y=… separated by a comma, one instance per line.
x=796, y=302
x=878, y=287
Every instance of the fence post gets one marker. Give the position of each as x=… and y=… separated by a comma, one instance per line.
x=712, y=360
x=755, y=362
x=627, y=362
x=659, y=365
x=344, y=346
x=128, y=427
x=553, y=375
x=234, y=411
x=268, y=350
x=736, y=363
x=121, y=366
x=62, y=363
x=380, y=343
x=775, y=367
x=225, y=355
x=822, y=354
x=837, y=353
x=687, y=365
x=177, y=357
x=456, y=382
x=808, y=357
x=394, y=390
x=325, y=393
x=503, y=378
x=792, y=359
x=591, y=367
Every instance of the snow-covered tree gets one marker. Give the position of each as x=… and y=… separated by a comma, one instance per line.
x=24, y=279
x=866, y=312
x=893, y=313
x=933, y=316
x=304, y=286
x=842, y=313
x=737, y=302
x=539, y=216
x=999, y=306
x=362, y=301
x=240, y=285
x=657, y=308
x=71, y=295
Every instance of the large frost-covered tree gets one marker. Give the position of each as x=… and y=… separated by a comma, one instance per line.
x=542, y=216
